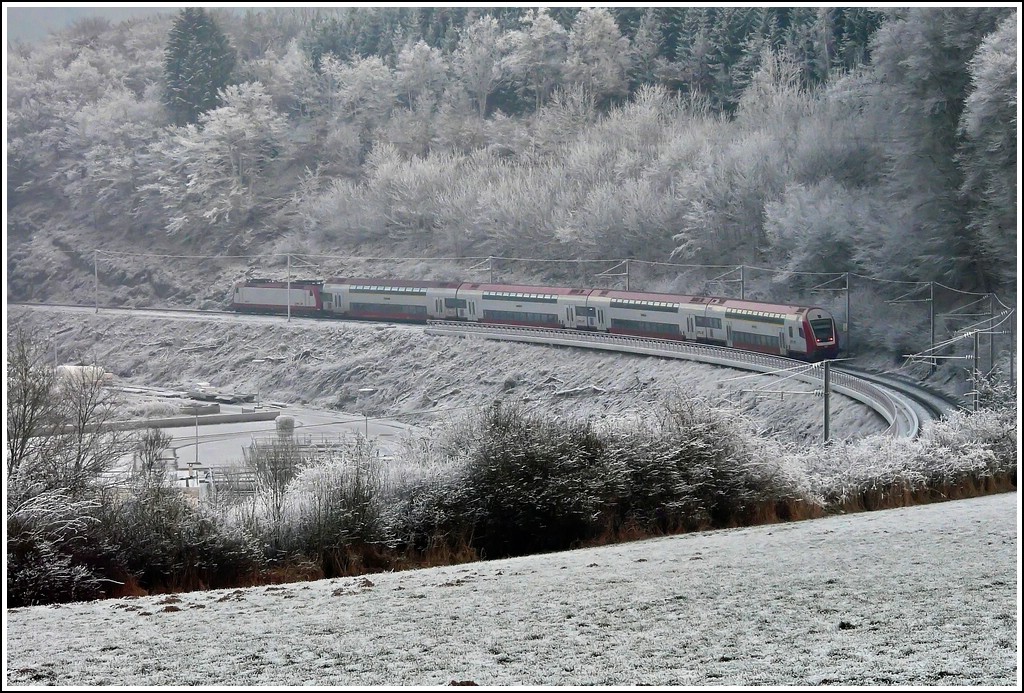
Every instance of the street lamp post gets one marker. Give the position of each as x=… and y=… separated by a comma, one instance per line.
x=366, y=417
x=194, y=465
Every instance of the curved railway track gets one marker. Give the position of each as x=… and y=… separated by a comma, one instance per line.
x=905, y=406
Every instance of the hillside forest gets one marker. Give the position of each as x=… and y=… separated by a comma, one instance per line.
x=880, y=142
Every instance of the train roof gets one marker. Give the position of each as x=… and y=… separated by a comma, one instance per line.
x=279, y=283
x=651, y=296
x=726, y=303
x=525, y=289
x=378, y=281
x=737, y=304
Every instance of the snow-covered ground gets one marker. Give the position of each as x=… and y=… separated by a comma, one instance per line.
x=920, y=596
x=417, y=377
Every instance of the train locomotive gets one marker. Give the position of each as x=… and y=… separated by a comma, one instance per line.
x=803, y=332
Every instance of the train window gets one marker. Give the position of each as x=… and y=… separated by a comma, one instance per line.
x=713, y=323
x=800, y=330
x=791, y=332
x=822, y=329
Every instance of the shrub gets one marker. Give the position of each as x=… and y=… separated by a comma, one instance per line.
x=163, y=540
x=335, y=511
x=532, y=484
x=696, y=468
x=43, y=533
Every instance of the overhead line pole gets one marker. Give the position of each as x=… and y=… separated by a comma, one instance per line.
x=96, y=278
x=977, y=373
x=827, y=384
x=849, y=340
x=931, y=318
x=992, y=336
x=288, y=294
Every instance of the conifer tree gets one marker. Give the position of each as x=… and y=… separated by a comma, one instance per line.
x=197, y=64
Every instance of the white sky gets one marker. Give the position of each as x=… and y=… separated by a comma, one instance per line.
x=920, y=596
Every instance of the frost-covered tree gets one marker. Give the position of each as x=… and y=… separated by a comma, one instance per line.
x=361, y=92
x=211, y=175
x=599, y=57
x=920, y=66
x=988, y=155
x=288, y=77
x=695, y=55
x=420, y=70
x=198, y=62
x=536, y=55
x=478, y=60
x=646, y=48
x=109, y=137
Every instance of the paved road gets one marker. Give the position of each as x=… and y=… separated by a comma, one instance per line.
x=222, y=445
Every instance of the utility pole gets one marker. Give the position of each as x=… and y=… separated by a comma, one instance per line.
x=827, y=384
x=849, y=340
x=288, y=295
x=96, y=277
x=931, y=319
x=490, y=266
x=1013, y=349
x=627, y=274
x=991, y=332
x=743, y=284
x=977, y=373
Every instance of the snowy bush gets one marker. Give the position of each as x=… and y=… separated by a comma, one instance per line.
x=961, y=455
x=162, y=539
x=693, y=467
x=531, y=483
x=44, y=531
x=335, y=511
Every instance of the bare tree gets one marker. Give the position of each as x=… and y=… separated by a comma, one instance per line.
x=273, y=465
x=81, y=446
x=30, y=383
x=148, y=466
x=59, y=435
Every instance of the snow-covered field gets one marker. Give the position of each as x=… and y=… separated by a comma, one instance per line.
x=920, y=596
x=418, y=377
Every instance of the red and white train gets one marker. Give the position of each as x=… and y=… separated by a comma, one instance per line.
x=803, y=332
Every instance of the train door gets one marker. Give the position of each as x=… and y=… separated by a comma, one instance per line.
x=700, y=323
x=782, y=343
x=586, y=317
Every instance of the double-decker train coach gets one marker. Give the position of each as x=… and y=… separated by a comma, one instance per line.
x=391, y=299
x=804, y=332
x=784, y=330
x=514, y=304
x=273, y=296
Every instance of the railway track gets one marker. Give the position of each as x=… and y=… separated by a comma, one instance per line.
x=904, y=405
